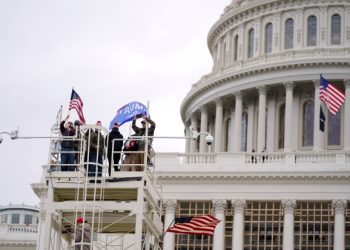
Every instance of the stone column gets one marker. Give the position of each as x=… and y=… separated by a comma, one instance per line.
x=219, y=234
x=204, y=128
x=277, y=36
x=347, y=25
x=241, y=41
x=318, y=135
x=339, y=223
x=261, y=119
x=169, y=238
x=288, y=129
x=219, y=53
x=218, y=125
x=298, y=27
x=288, y=224
x=322, y=26
x=271, y=116
x=238, y=224
x=194, y=126
x=230, y=47
x=187, y=134
x=232, y=129
x=347, y=114
x=250, y=132
x=238, y=123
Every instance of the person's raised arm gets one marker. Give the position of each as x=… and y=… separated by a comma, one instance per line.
x=153, y=124
x=62, y=127
x=134, y=127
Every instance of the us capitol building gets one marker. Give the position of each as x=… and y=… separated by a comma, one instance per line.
x=271, y=176
x=259, y=163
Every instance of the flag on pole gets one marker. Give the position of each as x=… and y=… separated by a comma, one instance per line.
x=331, y=96
x=322, y=119
x=127, y=113
x=77, y=104
x=204, y=225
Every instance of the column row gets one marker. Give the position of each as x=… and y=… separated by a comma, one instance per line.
x=264, y=127
x=239, y=206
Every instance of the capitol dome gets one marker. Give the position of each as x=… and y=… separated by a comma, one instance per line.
x=262, y=93
x=272, y=177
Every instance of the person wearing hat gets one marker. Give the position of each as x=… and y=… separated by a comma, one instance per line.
x=115, y=143
x=82, y=235
x=139, y=158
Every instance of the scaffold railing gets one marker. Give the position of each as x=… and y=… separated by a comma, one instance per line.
x=88, y=208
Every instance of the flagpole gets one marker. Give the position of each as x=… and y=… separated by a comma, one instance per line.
x=163, y=234
x=70, y=100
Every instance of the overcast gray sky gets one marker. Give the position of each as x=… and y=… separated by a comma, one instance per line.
x=112, y=52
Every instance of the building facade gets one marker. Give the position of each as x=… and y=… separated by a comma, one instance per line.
x=271, y=176
x=18, y=227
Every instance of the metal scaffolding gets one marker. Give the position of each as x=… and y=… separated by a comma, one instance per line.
x=121, y=211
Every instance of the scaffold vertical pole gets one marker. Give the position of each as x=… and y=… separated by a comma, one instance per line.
x=139, y=219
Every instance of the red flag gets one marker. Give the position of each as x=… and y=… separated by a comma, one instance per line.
x=204, y=224
x=77, y=104
x=331, y=96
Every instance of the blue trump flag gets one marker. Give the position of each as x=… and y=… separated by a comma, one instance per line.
x=127, y=113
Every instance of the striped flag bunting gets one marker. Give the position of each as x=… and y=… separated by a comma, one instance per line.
x=77, y=104
x=204, y=225
x=331, y=96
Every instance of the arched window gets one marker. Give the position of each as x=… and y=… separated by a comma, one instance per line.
x=281, y=119
x=289, y=34
x=333, y=130
x=335, y=29
x=244, y=130
x=311, y=31
x=308, y=123
x=236, y=48
x=268, y=38
x=251, y=43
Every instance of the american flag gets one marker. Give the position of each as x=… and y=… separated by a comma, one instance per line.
x=204, y=225
x=331, y=96
x=77, y=104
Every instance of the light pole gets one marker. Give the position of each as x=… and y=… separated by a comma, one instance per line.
x=13, y=135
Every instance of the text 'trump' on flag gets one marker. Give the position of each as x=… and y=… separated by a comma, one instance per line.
x=204, y=224
x=331, y=96
x=77, y=104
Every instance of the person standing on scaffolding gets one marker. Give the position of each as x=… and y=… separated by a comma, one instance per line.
x=96, y=151
x=116, y=146
x=67, y=145
x=139, y=158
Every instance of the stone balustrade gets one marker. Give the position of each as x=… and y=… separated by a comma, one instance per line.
x=22, y=228
x=14, y=232
x=321, y=160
